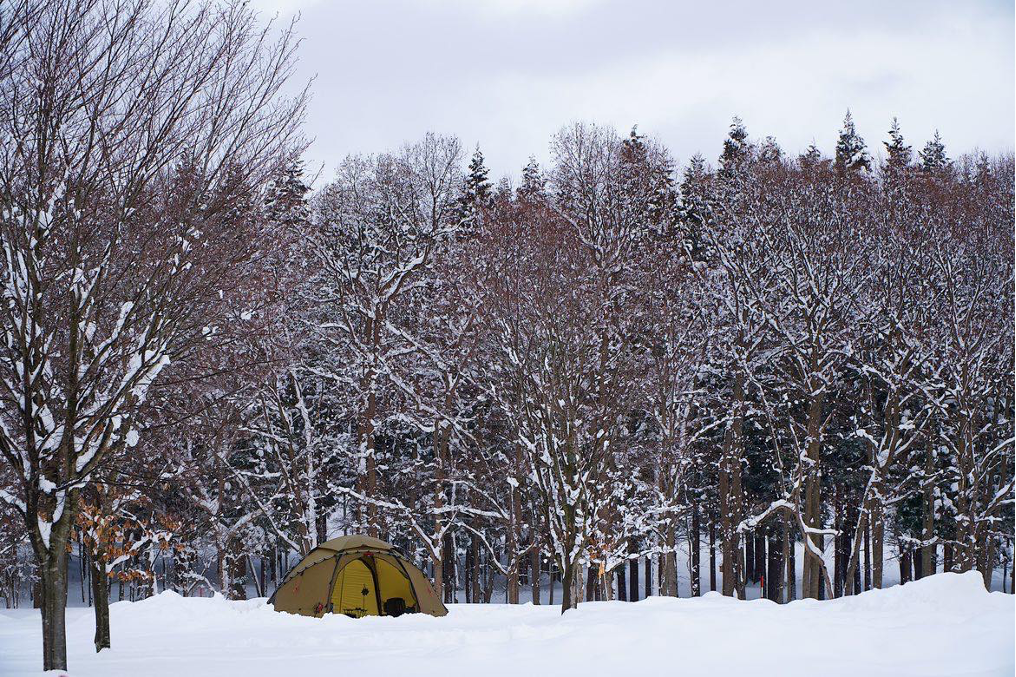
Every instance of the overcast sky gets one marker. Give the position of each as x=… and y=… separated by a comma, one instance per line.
x=508, y=73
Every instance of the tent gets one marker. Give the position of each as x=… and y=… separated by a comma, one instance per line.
x=356, y=576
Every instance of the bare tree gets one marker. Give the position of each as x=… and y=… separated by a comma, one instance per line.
x=129, y=129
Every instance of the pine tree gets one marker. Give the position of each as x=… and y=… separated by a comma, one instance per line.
x=694, y=206
x=811, y=158
x=477, y=192
x=933, y=157
x=851, y=153
x=736, y=150
x=646, y=172
x=899, y=153
x=770, y=152
x=533, y=182
x=286, y=203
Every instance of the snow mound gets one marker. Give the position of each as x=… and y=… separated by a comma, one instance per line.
x=942, y=625
x=948, y=593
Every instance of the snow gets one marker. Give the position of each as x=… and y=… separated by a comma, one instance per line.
x=942, y=625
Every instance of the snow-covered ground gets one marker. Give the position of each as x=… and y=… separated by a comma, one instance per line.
x=943, y=625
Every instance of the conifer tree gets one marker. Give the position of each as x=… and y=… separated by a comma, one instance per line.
x=286, y=203
x=477, y=192
x=736, y=150
x=933, y=157
x=851, y=154
x=810, y=158
x=645, y=170
x=899, y=153
x=694, y=205
x=534, y=184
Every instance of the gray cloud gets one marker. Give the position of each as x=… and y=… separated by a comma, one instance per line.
x=508, y=73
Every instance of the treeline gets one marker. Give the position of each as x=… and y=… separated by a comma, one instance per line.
x=207, y=370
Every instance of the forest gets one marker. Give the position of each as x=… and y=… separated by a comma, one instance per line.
x=769, y=369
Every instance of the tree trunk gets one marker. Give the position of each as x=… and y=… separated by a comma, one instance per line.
x=788, y=569
x=760, y=555
x=867, y=556
x=669, y=563
x=814, y=567
x=469, y=566
x=695, y=570
x=792, y=568
x=475, y=545
x=633, y=579
x=928, y=564
x=774, y=573
x=622, y=585
x=100, y=593
x=712, y=555
x=649, y=576
x=438, y=577
x=839, y=566
x=877, y=542
x=53, y=575
x=760, y=561
x=590, y=583
x=749, y=558
x=905, y=567
x=568, y=599
x=514, y=534
x=730, y=495
x=534, y=559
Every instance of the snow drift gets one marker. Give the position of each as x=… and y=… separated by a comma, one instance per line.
x=943, y=625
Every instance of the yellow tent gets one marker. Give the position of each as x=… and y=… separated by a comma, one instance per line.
x=356, y=576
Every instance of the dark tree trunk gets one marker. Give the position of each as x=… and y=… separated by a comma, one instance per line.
x=534, y=565
x=474, y=575
x=787, y=576
x=696, y=554
x=100, y=593
x=649, y=576
x=867, y=557
x=468, y=570
x=567, y=601
x=53, y=574
x=947, y=557
x=447, y=564
x=590, y=583
x=622, y=585
x=774, y=574
x=839, y=566
x=905, y=567
x=712, y=555
x=553, y=579
x=918, y=558
x=749, y=558
x=633, y=579
x=792, y=566
x=760, y=556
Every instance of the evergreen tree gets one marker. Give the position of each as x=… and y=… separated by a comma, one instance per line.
x=736, y=150
x=534, y=185
x=694, y=206
x=286, y=203
x=770, y=152
x=645, y=172
x=811, y=158
x=933, y=157
x=851, y=153
x=477, y=192
x=899, y=153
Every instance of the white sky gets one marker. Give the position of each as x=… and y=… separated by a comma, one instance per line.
x=508, y=73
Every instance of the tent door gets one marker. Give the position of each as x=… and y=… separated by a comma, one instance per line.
x=355, y=591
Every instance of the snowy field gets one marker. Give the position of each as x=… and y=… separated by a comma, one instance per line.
x=943, y=625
